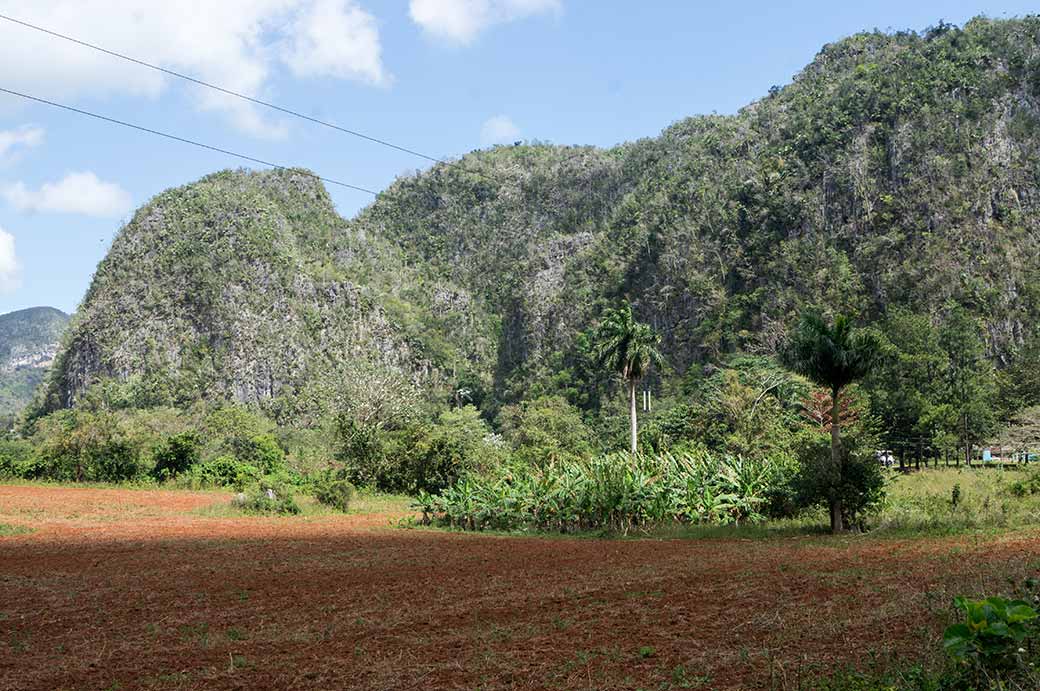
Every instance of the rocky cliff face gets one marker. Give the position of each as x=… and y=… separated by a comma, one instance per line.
x=243, y=287
x=29, y=341
x=896, y=169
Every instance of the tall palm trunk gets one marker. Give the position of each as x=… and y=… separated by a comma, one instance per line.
x=634, y=428
x=837, y=524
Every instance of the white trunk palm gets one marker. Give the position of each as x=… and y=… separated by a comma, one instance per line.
x=628, y=348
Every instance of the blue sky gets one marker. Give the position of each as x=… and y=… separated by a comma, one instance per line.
x=439, y=76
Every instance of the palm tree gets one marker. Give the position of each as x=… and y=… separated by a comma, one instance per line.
x=628, y=348
x=833, y=356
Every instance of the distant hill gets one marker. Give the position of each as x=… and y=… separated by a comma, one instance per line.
x=29, y=340
x=895, y=170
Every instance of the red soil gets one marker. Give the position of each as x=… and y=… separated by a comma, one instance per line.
x=127, y=589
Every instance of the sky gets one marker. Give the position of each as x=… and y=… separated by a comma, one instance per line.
x=441, y=77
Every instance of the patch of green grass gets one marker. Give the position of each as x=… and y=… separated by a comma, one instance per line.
x=170, y=679
x=363, y=503
x=240, y=662
x=195, y=632
x=7, y=529
x=234, y=634
x=376, y=502
x=144, y=483
x=921, y=503
x=561, y=624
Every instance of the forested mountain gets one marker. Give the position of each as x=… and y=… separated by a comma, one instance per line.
x=896, y=170
x=28, y=342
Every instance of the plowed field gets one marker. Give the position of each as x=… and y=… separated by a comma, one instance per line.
x=124, y=589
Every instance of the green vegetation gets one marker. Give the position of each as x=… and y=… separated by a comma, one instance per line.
x=28, y=342
x=615, y=492
x=333, y=493
x=467, y=336
x=8, y=529
x=269, y=495
x=992, y=635
x=834, y=356
x=894, y=176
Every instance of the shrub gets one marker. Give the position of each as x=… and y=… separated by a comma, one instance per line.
x=333, y=492
x=82, y=446
x=270, y=495
x=460, y=442
x=992, y=637
x=1026, y=486
x=245, y=435
x=224, y=471
x=860, y=483
x=175, y=454
x=420, y=456
x=546, y=430
x=16, y=459
x=262, y=451
x=363, y=449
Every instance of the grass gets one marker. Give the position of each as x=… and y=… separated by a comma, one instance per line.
x=918, y=504
x=922, y=503
x=362, y=503
x=143, y=484
x=7, y=530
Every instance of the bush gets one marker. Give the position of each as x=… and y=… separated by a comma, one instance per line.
x=261, y=451
x=16, y=459
x=246, y=436
x=420, y=456
x=859, y=484
x=85, y=447
x=460, y=442
x=546, y=430
x=270, y=495
x=364, y=450
x=224, y=471
x=175, y=455
x=1028, y=485
x=333, y=492
x=992, y=635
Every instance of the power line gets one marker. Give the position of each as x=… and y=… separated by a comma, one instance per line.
x=183, y=140
x=224, y=90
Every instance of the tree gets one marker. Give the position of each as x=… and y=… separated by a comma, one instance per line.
x=546, y=430
x=906, y=388
x=833, y=355
x=970, y=379
x=628, y=348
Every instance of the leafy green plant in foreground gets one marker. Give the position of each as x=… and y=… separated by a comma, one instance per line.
x=993, y=635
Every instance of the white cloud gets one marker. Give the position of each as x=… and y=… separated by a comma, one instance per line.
x=26, y=136
x=76, y=193
x=10, y=271
x=237, y=44
x=337, y=39
x=461, y=21
x=499, y=130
